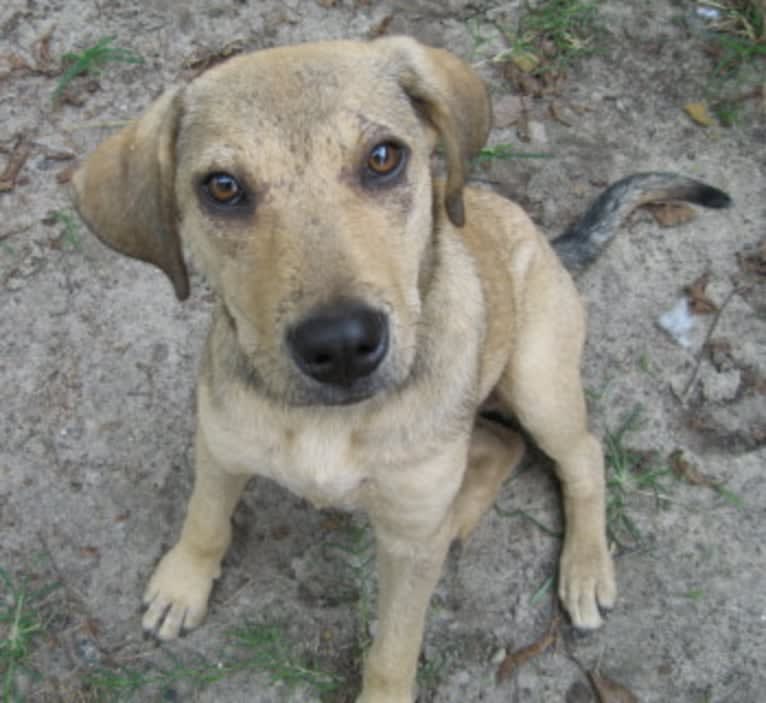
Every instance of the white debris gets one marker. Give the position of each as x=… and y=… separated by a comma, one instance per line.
x=678, y=322
x=708, y=13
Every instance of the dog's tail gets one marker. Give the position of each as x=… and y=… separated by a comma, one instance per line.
x=581, y=243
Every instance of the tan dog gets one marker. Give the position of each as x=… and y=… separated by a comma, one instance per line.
x=365, y=313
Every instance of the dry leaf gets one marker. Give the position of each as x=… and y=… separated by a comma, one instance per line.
x=699, y=303
x=16, y=161
x=521, y=656
x=699, y=114
x=558, y=114
x=688, y=472
x=42, y=50
x=525, y=61
x=65, y=174
x=199, y=62
x=671, y=214
x=754, y=262
x=609, y=691
x=380, y=28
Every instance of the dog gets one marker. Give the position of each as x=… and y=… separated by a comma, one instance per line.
x=366, y=313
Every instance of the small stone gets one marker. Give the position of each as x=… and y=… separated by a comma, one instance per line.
x=720, y=387
x=507, y=111
x=499, y=656
x=537, y=133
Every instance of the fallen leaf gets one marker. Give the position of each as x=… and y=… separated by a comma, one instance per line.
x=521, y=656
x=609, y=691
x=754, y=262
x=525, y=61
x=42, y=51
x=558, y=113
x=699, y=114
x=688, y=472
x=671, y=214
x=699, y=302
x=16, y=161
x=57, y=154
x=65, y=174
x=280, y=532
x=200, y=61
x=380, y=28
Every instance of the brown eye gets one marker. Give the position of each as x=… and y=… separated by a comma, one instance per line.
x=224, y=189
x=385, y=158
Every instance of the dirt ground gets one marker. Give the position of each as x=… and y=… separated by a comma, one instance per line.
x=97, y=365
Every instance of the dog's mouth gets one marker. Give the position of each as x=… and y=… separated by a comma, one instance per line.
x=322, y=395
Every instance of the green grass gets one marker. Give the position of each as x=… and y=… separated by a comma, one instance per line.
x=21, y=624
x=258, y=648
x=737, y=40
x=70, y=234
x=552, y=35
x=92, y=60
x=571, y=26
x=506, y=151
x=629, y=472
x=355, y=548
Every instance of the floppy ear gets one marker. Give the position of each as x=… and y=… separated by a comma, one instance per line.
x=125, y=191
x=453, y=99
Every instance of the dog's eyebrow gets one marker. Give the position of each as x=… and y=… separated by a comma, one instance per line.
x=370, y=130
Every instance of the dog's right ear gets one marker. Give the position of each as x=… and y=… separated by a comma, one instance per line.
x=125, y=190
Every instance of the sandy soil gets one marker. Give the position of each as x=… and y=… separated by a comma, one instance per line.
x=97, y=363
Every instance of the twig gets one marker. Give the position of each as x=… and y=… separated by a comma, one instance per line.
x=701, y=352
x=515, y=659
x=98, y=125
x=14, y=232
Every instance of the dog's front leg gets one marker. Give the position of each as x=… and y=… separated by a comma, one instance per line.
x=407, y=574
x=178, y=592
x=412, y=514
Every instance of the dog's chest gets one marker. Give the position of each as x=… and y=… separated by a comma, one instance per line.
x=318, y=461
x=320, y=467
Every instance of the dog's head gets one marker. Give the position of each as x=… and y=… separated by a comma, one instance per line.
x=300, y=179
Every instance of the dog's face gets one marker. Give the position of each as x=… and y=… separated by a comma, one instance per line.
x=300, y=179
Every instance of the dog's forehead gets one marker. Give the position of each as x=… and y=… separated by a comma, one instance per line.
x=301, y=85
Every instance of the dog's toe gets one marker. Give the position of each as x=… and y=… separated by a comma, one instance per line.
x=177, y=595
x=586, y=583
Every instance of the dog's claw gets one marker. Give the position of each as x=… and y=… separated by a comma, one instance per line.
x=177, y=594
x=586, y=584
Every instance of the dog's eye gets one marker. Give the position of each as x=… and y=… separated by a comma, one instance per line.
x=224, y=189
x=385, y=158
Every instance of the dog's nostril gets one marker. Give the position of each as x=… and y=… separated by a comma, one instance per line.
x=340, y=344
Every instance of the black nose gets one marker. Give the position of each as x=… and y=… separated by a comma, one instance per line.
x=340, y=344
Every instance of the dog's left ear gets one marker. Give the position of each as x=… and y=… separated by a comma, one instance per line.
x=453, y=99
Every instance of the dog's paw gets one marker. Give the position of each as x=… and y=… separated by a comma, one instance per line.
x=177, y=595
x=374, y=697
x=586, y=582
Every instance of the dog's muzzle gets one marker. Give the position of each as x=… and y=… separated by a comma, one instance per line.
x=340, y=345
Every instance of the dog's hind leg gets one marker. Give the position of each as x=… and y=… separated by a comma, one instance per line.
x=494, y=453
x=177, y=595
x=543, y=389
